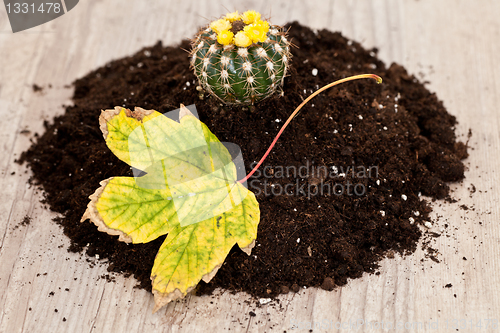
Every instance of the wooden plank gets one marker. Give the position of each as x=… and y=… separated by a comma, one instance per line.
x=452, y=44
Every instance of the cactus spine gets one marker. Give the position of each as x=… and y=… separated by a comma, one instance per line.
x=243, y=69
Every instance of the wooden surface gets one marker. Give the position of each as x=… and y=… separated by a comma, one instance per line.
x=455, y=44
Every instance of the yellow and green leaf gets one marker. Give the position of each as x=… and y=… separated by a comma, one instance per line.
x=189, y=191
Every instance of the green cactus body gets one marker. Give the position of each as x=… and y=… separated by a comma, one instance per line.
x=241, y=75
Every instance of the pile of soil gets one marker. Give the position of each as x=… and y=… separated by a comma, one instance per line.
x=398, y=130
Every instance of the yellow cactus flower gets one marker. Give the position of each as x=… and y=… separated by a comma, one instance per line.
x=225, y=37
x=263, y=24
x=242, y=40
x=220, y=25
x=250, y=16
x=257, y=31
x=231, y=17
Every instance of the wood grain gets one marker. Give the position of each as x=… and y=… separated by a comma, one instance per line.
x=454, y=44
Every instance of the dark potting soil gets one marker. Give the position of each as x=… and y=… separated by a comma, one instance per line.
x=382, y=145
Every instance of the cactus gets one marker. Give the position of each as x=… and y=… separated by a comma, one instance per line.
x=240, y=59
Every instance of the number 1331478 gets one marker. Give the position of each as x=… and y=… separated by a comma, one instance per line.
x=30, y=8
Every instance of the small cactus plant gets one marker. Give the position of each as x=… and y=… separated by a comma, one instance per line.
x=241, y=59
